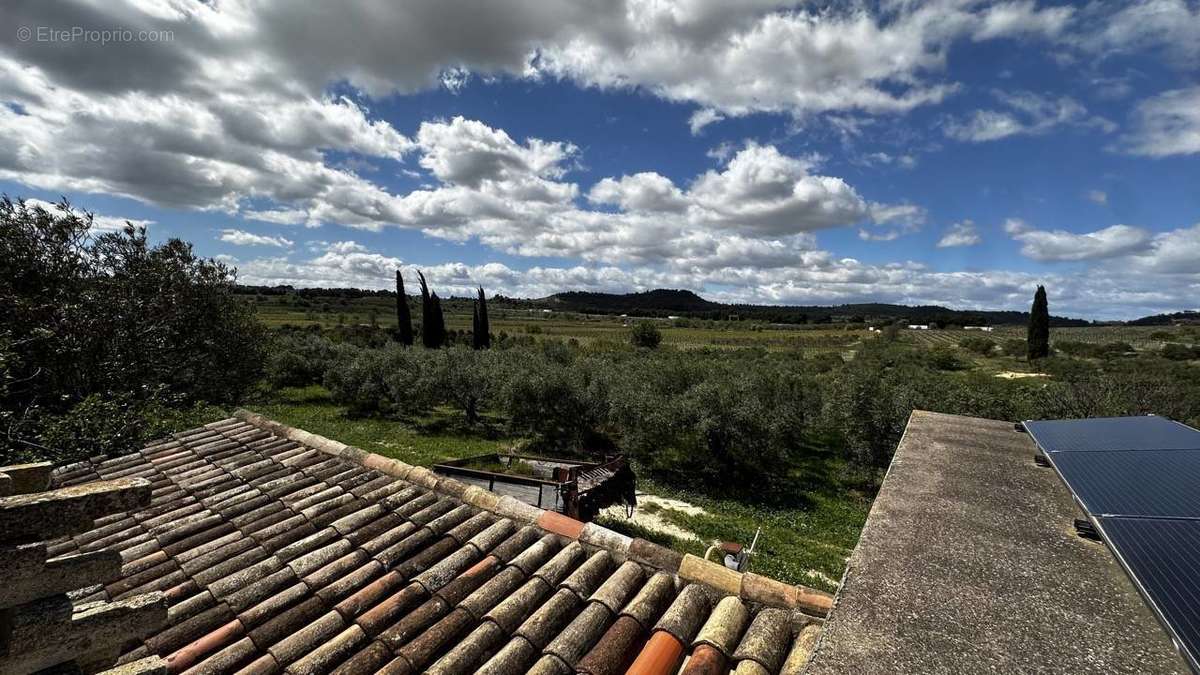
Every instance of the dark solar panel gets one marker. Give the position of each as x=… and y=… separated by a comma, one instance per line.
x=1113, y=433
x=1153, y=483
x=1139, y=477
x=1163, y=558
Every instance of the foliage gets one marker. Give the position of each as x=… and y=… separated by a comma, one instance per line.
x=393, y=380
x=1178, y=352
x=1093, y=350
x=784, y=439
x=1015, y=347
x=298, y=359
x=645, y=334
x=978, y=345
x=1039, y=326
x=113, y=321
x=113, y=424
x=419, y=440
x=481, y=337
x=943, y=357
x=466, y=379
x=563, y=406
x=433, y=323
x=404, y=329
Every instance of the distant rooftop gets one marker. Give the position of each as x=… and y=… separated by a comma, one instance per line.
x=969, y=563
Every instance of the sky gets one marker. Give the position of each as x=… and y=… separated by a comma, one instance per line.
x=945, y=152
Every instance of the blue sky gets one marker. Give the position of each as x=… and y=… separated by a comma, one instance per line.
x=951, y=152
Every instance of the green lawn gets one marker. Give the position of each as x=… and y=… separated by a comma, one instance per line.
x=805, y=544
x=418, y=443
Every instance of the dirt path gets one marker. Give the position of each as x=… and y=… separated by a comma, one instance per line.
x=650, y=518
x=1010, y=375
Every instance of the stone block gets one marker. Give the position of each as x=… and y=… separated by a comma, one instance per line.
x=47, y=515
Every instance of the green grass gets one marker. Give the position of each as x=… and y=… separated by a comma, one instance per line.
x=311, y=409
x=815, y=536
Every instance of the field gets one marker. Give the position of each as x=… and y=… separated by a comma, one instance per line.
x=276, y=311
x=1139, y=337
x=807, y=534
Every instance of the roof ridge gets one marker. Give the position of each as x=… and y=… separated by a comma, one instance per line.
x=748, y=586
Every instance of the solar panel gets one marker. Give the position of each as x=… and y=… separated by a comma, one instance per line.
x=1149, y=432
x=1147, y=483
x=1139, y=479
x=1163, y=558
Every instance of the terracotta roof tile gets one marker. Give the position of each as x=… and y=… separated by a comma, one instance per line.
x=766, y=640
x=705, y=660
x=281, y=551
x=614, y=651
x=661, y=655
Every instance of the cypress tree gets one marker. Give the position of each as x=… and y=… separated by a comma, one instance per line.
x=437, y=321
x=480, y=330
x=404, y=329
x=433, y=326
x=1039, y=326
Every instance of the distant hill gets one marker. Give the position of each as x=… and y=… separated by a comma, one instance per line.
x=658, y=300
x=665, y=302
x=1189, y=317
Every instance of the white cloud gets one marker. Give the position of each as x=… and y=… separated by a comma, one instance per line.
x=815, y=278
x=282, y=217
x=1060, y=245
x=1169, y=26
x=897, y=219
x=702, y=118
x=884, y=158
x=960, y=234
x=243, y=238
x=763, y=191
x=984, y=125
x=1007, y=19
x=647, y=191
x=1173, y=252
x=100, y=222
x=1026, y=113
x=1097, y=197
x=721, y=152
x=1167, y=124
x=468, y=152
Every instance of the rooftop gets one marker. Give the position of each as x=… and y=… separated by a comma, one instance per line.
x=969, y=562
x=281, y=551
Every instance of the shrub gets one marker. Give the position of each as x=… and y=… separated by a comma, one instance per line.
x=298, y=360
x=115, y=424
x=1178, y=352
x=943, y=357
x=394, y=380
x=464, y=378
x=1015, y=347
x=562, y=407
x=645, y=335
x=108, y=322
x=978, y=345
x=1091, y=350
